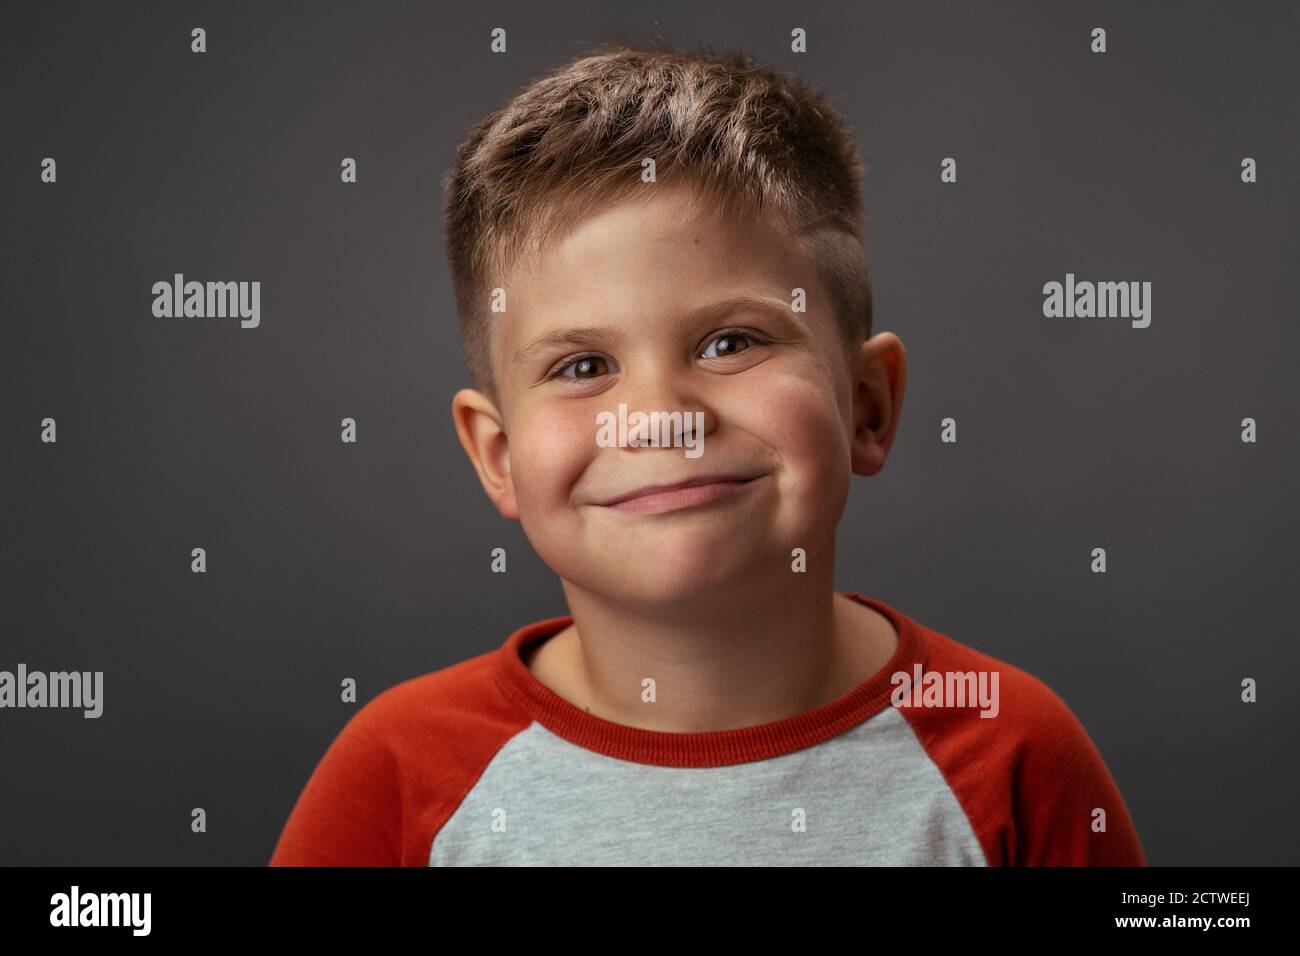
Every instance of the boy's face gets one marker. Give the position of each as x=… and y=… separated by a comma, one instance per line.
x=781, y=407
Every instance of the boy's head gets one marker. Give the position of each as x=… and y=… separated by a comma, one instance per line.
x=671, y=233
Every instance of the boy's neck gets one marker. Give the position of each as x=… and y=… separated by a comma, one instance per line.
x=743, y=660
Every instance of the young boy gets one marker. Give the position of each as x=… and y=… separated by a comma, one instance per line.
x=647, y=233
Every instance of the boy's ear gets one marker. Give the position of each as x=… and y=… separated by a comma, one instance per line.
x=482, y=434
x=879, y=378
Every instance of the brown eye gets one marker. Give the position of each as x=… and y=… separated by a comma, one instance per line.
x=586, y=366
x=735, y=342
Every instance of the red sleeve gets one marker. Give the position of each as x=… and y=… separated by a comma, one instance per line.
x=398, y=769
x=1029, y=778
x=1060, y=785
x=350, y=812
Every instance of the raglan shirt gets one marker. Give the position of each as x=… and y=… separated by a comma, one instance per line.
x=482, y=764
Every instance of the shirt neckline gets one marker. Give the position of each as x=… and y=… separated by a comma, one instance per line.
x=706, y=748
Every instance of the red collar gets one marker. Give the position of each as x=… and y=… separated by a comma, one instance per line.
x=711, y=748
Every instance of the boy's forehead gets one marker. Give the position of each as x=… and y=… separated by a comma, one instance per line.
x=643, y=258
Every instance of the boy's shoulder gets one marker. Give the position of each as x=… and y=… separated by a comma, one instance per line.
x=462, y=692
x=398, y=767
x=950, y=690
x=1006, y=710
x=1018, y=758
x=442, y=726
x=1026, y=706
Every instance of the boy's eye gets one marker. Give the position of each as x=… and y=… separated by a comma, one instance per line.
x=733, y=346
x=583, y=366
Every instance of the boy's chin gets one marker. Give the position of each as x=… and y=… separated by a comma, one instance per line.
x=682, y=585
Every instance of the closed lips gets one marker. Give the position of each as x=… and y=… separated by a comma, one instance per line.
x=691, y=483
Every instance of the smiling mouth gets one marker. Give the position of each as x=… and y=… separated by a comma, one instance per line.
x=674, y=499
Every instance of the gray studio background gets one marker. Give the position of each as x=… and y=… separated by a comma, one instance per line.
x=326, y=560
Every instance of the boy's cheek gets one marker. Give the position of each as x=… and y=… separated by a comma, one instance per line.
x=789, y=413
x=557, y=429
x=549, y=450
x=807, y=433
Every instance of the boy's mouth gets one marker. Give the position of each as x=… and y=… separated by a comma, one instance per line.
x=693, y=491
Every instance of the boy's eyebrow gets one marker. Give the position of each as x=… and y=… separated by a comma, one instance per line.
x=603, y=336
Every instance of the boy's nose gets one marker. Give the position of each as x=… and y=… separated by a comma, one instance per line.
x=678, y=429
x=663, y=390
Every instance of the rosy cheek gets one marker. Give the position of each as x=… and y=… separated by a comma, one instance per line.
x=789, y=398
x=566, y=429
x=804, y=426
x=550, y=447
